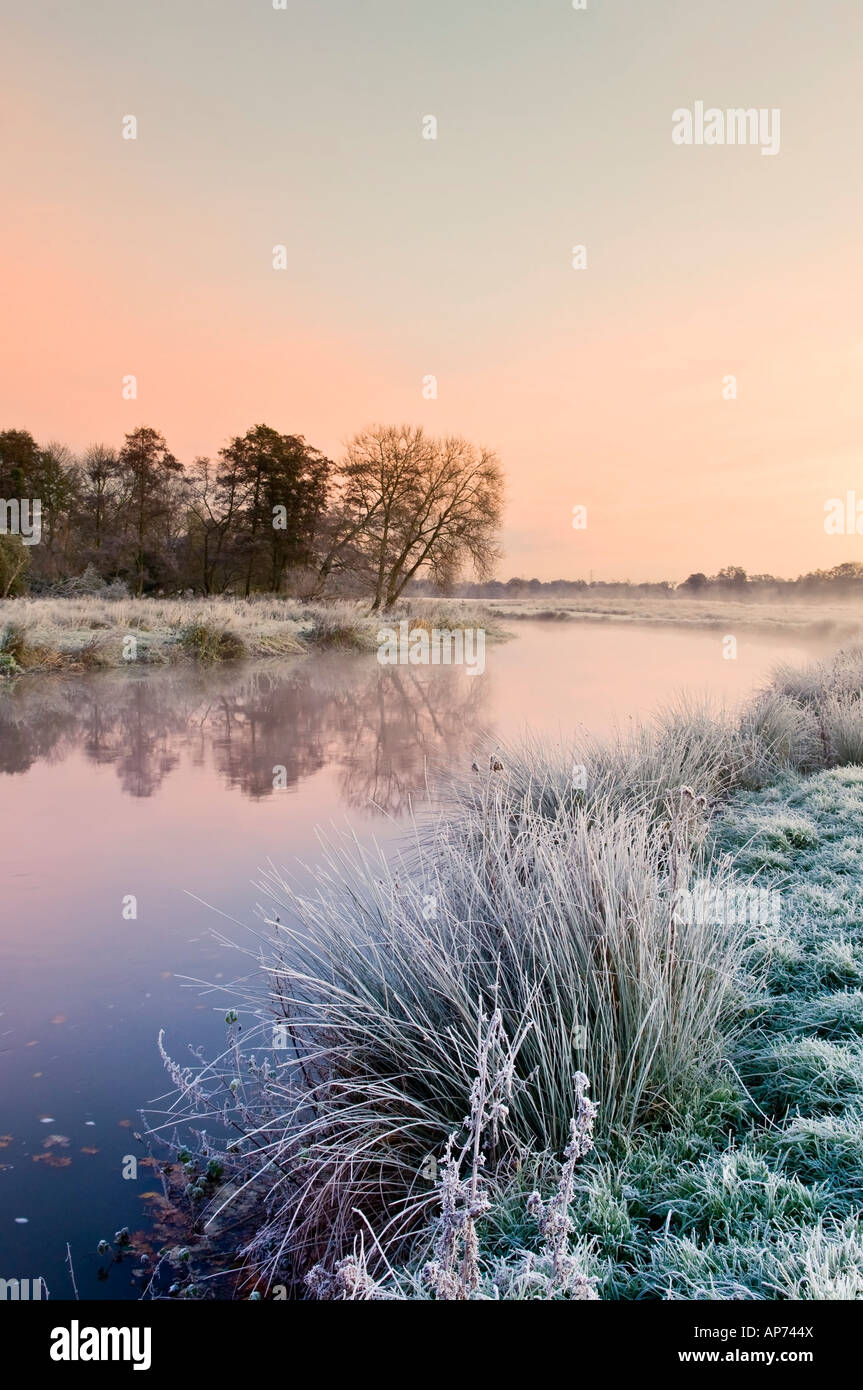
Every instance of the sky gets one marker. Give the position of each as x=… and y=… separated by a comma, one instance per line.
x=452, y=257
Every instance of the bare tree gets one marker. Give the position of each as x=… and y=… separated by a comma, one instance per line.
x=410, y=504
x=374, y=482
x=100, y=473
x=211, y=559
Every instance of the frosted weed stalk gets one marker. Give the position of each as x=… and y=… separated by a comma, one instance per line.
x=453, y=1273
x=564, y=1271
x=456, y=1270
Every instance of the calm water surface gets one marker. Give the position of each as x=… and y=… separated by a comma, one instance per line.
x=160, y=786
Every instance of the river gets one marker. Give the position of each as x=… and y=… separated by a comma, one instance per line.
x=130, y=801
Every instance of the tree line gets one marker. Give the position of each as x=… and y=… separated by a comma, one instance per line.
x=270, y=514
x=842, y=580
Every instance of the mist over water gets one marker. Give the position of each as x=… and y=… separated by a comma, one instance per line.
x=161, y=785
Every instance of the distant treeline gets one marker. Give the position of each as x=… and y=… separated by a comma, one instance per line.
x=731, y=582
x=269, y=514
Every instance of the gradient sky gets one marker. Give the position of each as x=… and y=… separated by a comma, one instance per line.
x=409, y=257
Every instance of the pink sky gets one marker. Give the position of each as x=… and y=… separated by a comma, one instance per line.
x=410, y=257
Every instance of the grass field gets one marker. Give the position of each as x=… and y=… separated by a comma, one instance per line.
x=817, y=616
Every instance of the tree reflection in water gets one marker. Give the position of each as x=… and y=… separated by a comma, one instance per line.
x=382, y=728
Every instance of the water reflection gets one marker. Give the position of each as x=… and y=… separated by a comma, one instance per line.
x=382, y=728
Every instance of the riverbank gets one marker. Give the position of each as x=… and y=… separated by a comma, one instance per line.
x=752, y=1188
x=45, y=635
x=75, y=634
x=545, y=927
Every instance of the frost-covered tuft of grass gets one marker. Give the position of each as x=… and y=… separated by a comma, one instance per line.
x=208, y=642
x=726, y=1062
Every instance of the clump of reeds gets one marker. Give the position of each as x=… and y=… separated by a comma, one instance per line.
x=209, y=642
x=17, y=651
x=569, y=924
x=341, y=625
x=13, y=649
